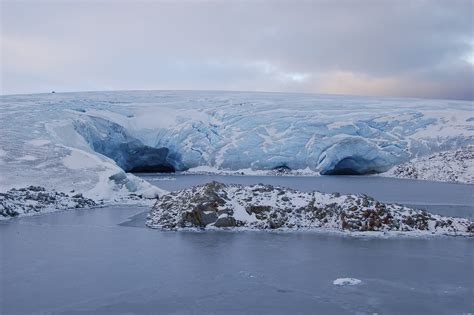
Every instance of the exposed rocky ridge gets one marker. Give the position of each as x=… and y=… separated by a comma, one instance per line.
x=448, y=166
x=216, y=205
x=35, y=199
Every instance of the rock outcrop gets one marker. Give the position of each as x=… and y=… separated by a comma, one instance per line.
x=216, y=205
x=35, y=199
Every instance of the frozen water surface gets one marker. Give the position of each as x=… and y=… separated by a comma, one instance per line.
x=104, y=261
x=84, y=261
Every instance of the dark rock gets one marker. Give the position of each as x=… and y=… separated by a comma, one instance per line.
x=225, y=222
x=257, y=209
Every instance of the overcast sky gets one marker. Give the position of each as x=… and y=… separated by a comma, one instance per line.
x=394, y=48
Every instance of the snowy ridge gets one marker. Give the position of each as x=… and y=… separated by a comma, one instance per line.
x=88, y=141
x=216, y=205
x=448, y=166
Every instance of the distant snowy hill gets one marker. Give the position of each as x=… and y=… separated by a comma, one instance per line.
x=85, y=141
x=449, y=166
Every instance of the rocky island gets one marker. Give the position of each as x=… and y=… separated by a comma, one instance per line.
x=36, y=199
x=217, y=205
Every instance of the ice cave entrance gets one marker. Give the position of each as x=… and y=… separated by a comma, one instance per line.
x=151, y=169
x=353, y=166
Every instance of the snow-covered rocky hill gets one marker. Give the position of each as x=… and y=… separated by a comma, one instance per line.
x=217, y=205
x=34, y=199
x=87, y=142
x=448, y=166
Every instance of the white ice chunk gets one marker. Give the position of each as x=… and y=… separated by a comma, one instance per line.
x=346, y=281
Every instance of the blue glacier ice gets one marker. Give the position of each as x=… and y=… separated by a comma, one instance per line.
x=85, y=141
x=131, y=154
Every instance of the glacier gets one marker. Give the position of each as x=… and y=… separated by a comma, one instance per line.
x=91, y=141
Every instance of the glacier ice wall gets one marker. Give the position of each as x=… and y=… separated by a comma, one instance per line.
x=112, y=140
x=42, y=135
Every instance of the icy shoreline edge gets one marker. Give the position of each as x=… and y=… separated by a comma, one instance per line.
x=453, y=166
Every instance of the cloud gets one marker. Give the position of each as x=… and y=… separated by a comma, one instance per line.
x=25, y=55
x=399, y=48
x=456, y=84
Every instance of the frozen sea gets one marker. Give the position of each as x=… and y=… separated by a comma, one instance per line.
x=104, y=261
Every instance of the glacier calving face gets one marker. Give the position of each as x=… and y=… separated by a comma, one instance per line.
x=85, y=141
x=112, y=140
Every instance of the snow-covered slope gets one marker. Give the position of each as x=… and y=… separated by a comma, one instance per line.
x=85, y=141
x=446, y=166
x=216, y=205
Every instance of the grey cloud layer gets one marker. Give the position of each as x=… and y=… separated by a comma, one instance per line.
x=401, y=48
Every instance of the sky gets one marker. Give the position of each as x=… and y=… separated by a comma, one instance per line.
x=367, y=47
